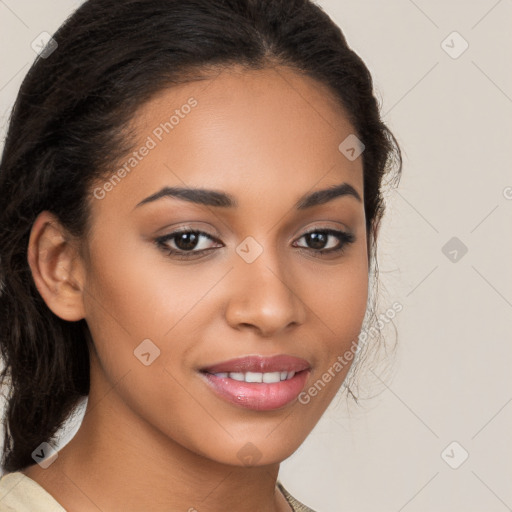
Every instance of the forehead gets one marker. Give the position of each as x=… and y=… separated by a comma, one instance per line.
x=260, y=130
x=267, y=100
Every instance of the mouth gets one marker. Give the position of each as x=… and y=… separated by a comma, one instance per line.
x=252, y=377
x=256, y=382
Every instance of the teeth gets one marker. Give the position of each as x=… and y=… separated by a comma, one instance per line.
x=268, y=377
x=271, y=377
x=253, y=377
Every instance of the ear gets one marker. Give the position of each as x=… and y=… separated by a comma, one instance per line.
x=57, y=267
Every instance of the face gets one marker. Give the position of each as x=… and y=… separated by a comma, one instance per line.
x=190, y=296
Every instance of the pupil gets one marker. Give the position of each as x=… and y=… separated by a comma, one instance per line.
x=190, y=241
x=318, y=240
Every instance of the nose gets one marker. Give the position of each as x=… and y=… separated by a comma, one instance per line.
x=263, y=297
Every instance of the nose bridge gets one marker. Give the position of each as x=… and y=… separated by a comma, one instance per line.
x=262, y=294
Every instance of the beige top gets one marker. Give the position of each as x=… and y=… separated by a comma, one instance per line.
x=19, y=493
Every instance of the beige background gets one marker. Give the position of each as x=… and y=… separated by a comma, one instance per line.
x=451, y=378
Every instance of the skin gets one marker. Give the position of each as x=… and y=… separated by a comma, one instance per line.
x=157, y=435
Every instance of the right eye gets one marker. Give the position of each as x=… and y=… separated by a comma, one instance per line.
x=185, y=243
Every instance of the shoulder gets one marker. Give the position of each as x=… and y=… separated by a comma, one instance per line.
x=19, y=493
x=296, y=505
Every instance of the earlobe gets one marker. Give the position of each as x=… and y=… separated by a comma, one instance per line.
x=57, y=268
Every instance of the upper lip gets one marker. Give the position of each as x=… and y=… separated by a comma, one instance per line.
x=262, y=364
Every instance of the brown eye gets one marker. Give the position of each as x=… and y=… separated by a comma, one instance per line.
x=327, y=241
x=193, y=243
x=185, y=242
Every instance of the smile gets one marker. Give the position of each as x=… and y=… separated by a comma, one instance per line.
x=268, y=378
x=256, y=382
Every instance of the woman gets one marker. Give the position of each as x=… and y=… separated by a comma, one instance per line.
x=191, y=195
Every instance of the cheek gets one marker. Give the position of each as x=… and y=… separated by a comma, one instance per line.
x=135, y=294
x=338, y=296
x=339, y=302
x=121, y=301
x=130, y=283
x=131, y=300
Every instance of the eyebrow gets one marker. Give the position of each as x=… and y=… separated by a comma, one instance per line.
x=224, y=200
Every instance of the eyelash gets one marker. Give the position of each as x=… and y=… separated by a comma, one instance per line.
x=344, y=237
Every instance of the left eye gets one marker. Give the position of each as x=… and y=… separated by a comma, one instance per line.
x=319, y=237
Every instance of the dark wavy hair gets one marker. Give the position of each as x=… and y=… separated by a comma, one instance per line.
x=68, y=127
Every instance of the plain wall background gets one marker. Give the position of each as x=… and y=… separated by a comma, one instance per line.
x=451, y=376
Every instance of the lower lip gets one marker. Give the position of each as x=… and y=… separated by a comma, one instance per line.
x=258, y=396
